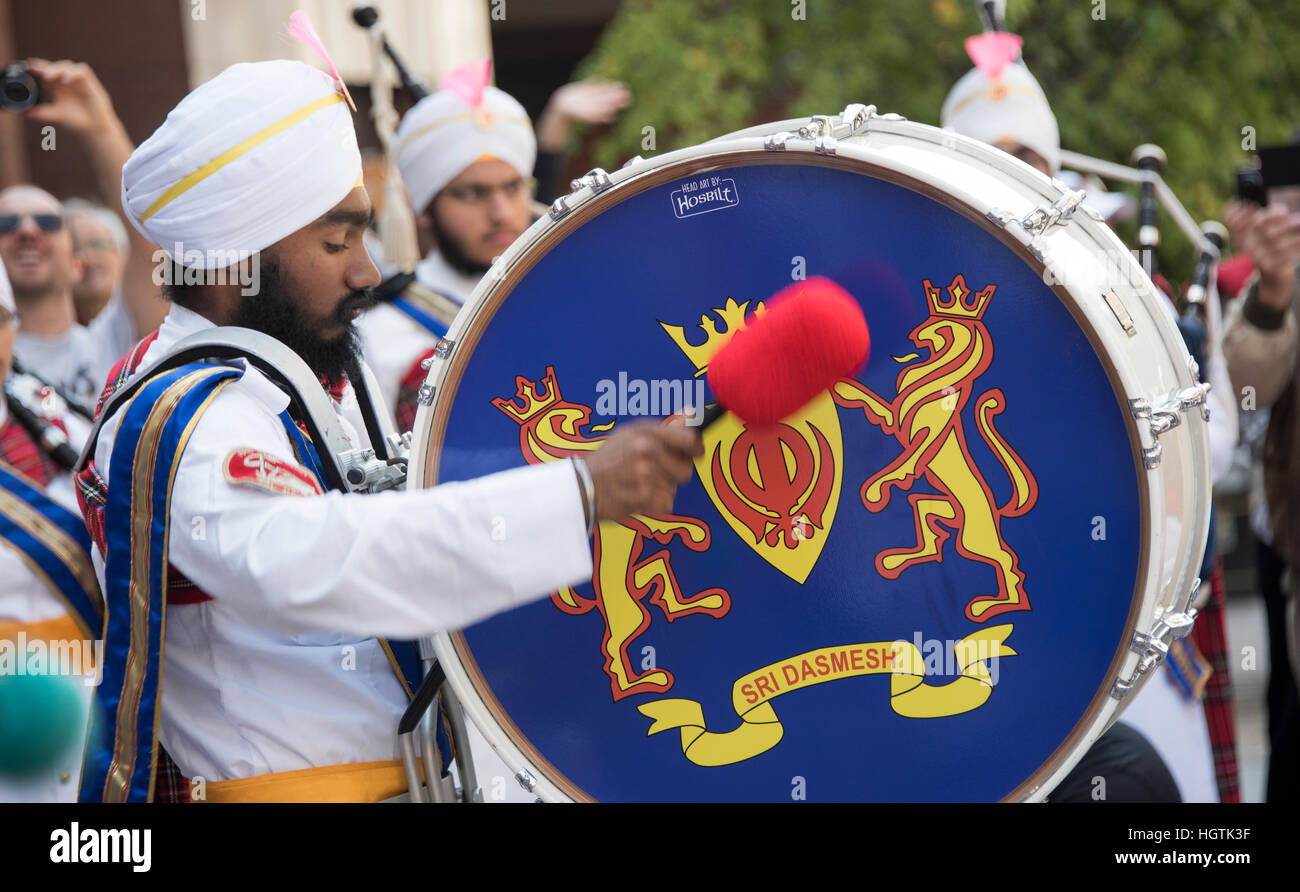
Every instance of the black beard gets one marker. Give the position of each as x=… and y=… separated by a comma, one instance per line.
x=449, y=248
x=273, y=311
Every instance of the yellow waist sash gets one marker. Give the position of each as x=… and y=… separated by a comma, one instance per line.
x=61, y=628
x=355, y=782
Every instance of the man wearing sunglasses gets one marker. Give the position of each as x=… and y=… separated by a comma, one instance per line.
x=37, y=248
x=37, y=245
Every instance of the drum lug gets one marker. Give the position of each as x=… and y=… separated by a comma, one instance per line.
x=1000, y=218
x=855, y=117
x=426, y=393
x=1174, y=623
x=1036, y=223
x=559, y=208
x=444, y=348
x=596, y=178
x=1166, y=413
x=823, y=131
x=526, y=780
x=634, y=160
x=1039, y=220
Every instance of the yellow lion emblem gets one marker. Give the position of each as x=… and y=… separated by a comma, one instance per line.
x=926, y=417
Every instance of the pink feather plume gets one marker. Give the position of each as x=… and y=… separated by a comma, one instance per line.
x=469, y=81
x=301, y=30
x=993, y=51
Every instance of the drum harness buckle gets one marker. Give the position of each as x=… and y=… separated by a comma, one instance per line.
x=1173, y=623
x=1165, y=414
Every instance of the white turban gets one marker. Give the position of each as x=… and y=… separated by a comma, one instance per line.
x=443, y=134
x=246, y=159
x=6, y=291
x=1009, y=107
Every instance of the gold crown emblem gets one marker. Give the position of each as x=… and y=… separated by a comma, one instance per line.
x=958, y=305
x=533, y=397
x=732, y=317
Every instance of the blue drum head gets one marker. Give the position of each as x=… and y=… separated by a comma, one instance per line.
x=919, y=588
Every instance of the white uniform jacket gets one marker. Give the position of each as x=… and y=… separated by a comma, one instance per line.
x=280, y=669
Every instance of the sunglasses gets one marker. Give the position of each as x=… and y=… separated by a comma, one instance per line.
x=47, y=222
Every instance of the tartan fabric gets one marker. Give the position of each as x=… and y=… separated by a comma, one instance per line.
x=92, y=488
x=1210, y=636
x=18, y=449
x=169, y=784
x=408, y=394
x=123, y=369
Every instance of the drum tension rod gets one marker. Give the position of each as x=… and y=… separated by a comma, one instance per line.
x=1036, y=223
x=1174, y=622
x=1166, y=413
x=823, y=131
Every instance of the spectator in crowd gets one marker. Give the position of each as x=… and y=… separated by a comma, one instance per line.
x=1261, y=345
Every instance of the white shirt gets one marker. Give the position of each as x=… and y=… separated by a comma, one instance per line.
x=262, y=678
x=114, y=328
x=77, y=360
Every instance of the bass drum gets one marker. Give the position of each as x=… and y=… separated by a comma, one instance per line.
x=938, y=582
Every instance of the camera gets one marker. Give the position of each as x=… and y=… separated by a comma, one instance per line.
x=1250, y=186
x=19, y=89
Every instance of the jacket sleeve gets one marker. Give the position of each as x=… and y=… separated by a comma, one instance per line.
x=1260, y=345
x=400, y=564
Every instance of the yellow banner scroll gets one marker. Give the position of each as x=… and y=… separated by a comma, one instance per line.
x=909, y=695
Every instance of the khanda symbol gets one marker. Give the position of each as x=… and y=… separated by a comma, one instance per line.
x=926, y=418
x=624, y=576
x=777, y=486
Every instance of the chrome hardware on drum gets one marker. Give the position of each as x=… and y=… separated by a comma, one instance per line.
x=940, y=581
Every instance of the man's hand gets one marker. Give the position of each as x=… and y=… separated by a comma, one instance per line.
x=1273, y=242
x=75, y=97
x=583, y=102
x=1239, y=218
x=637, y=470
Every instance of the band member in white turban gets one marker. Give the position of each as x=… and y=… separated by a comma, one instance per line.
x=1000, y=103
x=190, y=190
x=466, y=155
x=278, y=686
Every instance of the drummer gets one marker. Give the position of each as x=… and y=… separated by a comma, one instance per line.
x=999, y=102
x=278, y=685
x=466, y=157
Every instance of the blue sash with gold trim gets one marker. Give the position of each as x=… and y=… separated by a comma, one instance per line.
x=53, y=542
x=151, y=438
x=160, y=418
x=420, y=316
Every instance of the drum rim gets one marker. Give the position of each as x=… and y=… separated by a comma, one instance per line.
x=727, y=152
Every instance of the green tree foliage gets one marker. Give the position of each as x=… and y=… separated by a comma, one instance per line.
x=1188, y=75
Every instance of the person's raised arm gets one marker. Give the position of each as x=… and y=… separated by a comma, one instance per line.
x=78, y=102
